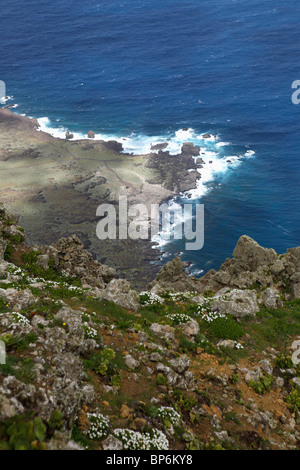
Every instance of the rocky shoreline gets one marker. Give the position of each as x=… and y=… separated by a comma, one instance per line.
x=55, y=186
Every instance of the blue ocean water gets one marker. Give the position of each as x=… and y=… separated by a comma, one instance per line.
x=145, y=68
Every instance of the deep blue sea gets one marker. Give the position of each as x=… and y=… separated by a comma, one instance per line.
x=147, y=68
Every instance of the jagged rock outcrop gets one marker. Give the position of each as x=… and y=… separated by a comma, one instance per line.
x=171, y=277
x=252, y=266
x=70, y=362
x=69, y=255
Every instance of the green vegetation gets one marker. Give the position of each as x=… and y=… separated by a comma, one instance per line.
x=263, y=385
x=106, y=363
x=294, y=399
x=225, y=328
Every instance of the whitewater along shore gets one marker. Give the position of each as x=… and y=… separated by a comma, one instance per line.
x=55, y=185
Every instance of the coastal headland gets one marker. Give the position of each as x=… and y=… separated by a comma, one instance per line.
x=55, y=185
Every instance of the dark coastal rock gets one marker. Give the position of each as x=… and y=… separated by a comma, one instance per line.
x=161, y=146
x=91, y=135
x=173, y=171
x=113, y=145
x=206, y=136
x=190, y=149
x=69, y=135
x=188, y=180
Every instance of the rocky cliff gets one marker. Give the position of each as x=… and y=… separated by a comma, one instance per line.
x=89, y=363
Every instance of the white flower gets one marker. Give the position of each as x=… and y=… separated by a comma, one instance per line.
x=132, y=440
x=89, y=331
x=99, y=426
x=19, y=318
x=167, y=412
x=178, y=317
x=151, y=298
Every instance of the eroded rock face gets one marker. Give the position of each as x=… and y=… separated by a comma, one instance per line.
x=71, y=256
x=181, y=364
x=61, y=386
x=248, y=255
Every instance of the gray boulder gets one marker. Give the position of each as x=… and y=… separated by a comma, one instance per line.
x=120, y=292
x=238, y=303
x=18, y=299
x=181, y=364
x=130, y=362
x=190, y=328
x=270, y=298
x=164, y=331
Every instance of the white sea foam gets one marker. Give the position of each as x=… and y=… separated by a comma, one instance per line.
x=4, y=99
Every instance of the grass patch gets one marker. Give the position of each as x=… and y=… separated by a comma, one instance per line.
x=225, y=328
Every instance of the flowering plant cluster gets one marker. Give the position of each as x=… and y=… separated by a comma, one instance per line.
x=179, y=296
x=167, y=413
x=89, y=331
x=19, y=318
x=64, y=281
x=212, y=316
x=178, y=318
x=134, y=440
x=99, y=426
x=149, y=298
x=202, y=309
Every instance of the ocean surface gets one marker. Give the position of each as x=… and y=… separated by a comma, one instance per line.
x=142, y=70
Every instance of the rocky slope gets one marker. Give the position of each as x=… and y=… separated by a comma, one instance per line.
x=188, y=364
